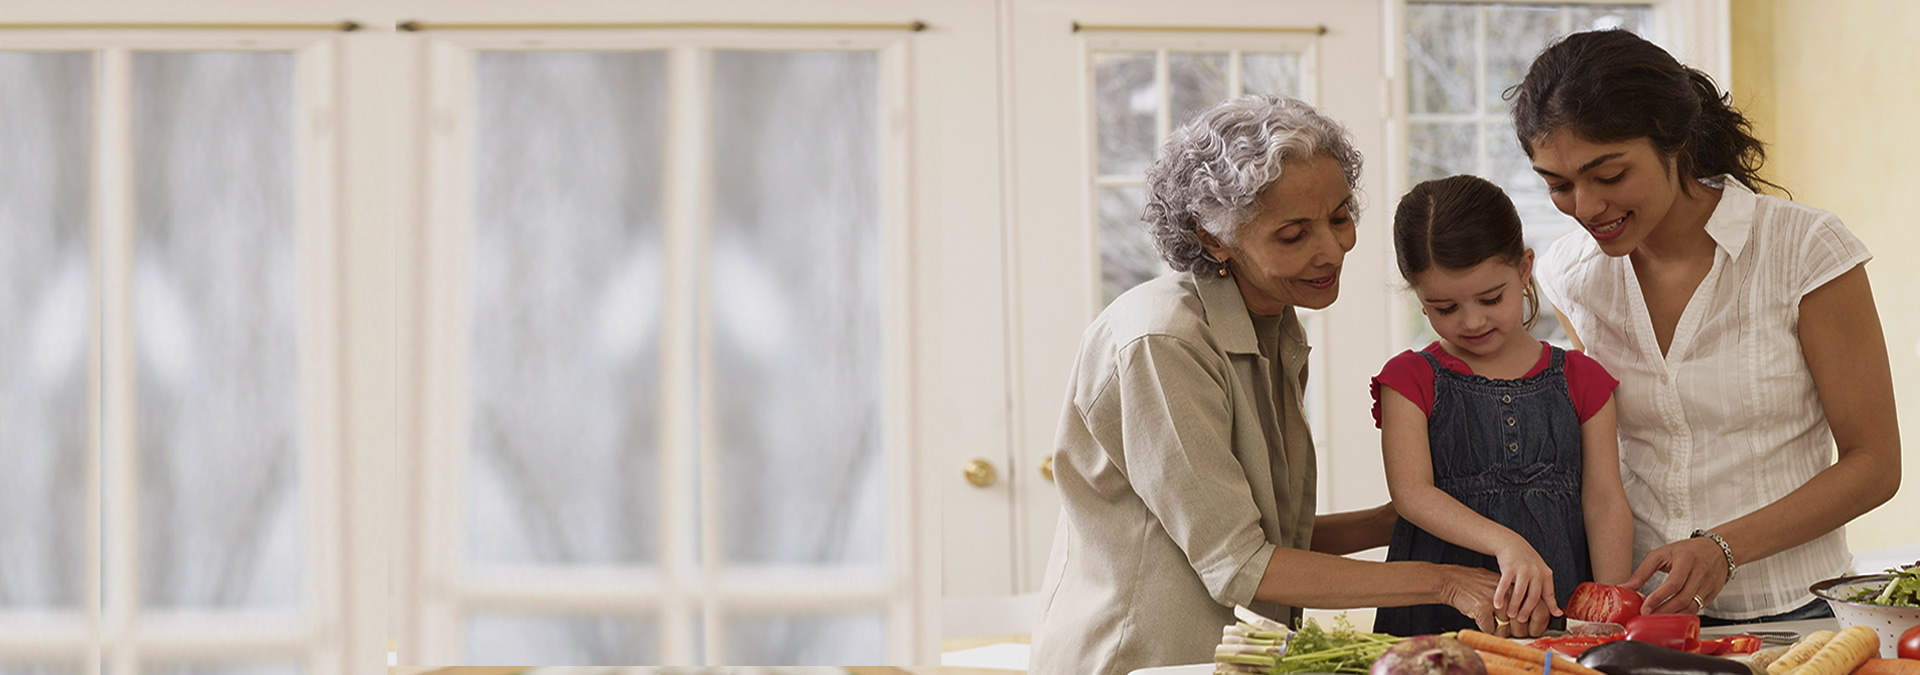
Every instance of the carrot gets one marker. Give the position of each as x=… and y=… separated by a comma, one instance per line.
x=1803, y=650
x=1508, y=662
x=1505, y=647
x=1506, y=665
x=1888, y=667
x=1843, y=653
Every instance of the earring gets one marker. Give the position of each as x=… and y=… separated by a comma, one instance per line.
x=1208, y=256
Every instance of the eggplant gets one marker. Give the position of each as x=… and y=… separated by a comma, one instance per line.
x=1630, y=657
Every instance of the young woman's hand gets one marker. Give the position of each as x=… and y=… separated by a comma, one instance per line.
x=1696, y=571
x=1526, y=584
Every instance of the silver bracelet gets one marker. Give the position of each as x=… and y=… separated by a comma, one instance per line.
x=1724, y=550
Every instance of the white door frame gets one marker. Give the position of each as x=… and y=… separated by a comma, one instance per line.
x=1053, y=262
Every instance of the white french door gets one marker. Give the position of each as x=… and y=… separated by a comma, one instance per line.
x=171, y=422
x=679, y=314
x=1098, y=87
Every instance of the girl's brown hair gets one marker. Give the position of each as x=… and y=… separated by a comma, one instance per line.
x=1456, y=223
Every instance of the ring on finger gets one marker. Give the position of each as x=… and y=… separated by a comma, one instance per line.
x=1698, y=603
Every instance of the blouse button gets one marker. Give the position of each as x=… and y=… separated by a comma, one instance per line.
x=1506, y=398
x=1509, y=421
x=1513, y=447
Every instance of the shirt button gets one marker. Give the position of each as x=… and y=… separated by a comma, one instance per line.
x=1509, y=421
x=1505, y=398
x=1513, y=447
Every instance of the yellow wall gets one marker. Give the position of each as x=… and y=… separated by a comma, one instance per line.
x=1831, y=86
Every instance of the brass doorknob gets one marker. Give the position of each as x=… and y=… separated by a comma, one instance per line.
x=1046, y=468
x=980, y=473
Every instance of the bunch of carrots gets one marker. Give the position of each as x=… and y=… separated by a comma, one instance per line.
x=1506, y=657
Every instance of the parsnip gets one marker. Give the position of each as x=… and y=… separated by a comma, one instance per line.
x=1761, y=659
x=1803, y=650
x=1843, y=653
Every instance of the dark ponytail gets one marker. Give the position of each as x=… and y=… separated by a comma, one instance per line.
x=1724, y=141
x=1608, y=86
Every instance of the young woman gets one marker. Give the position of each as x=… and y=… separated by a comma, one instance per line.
x=1741, y=326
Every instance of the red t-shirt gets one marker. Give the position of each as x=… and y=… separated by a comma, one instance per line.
x=1588, y=383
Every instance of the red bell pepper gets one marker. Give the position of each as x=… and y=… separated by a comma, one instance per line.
x=1673, y=631
x=1573, y=645
x=1731, y=644
x=1604, y=603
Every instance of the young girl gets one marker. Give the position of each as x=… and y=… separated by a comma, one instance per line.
x=1500, y=449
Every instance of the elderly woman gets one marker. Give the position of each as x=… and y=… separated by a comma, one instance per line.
x=1184, y=462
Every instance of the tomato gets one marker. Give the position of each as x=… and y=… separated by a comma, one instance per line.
x=1910, y=643
x=1573, y=645
x=1601, y=602
x=1673, y=631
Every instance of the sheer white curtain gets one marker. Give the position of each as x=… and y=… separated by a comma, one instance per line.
x=46, y=276
x=569, y=284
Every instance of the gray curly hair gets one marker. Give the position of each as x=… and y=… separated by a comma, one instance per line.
x=1212, y=169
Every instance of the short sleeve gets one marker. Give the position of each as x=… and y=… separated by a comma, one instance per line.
x=1589, y=384
x=1552, y=268
x=1407, y=373
x=1828, y=251
x=1176, y=424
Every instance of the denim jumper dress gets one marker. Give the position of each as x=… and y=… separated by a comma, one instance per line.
x=1509, y=450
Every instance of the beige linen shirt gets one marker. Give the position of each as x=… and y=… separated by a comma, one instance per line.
x=1183, y=460
x=1728, y=420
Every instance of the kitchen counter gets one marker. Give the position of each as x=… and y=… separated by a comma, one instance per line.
x=1801, y=627
x=716, y=670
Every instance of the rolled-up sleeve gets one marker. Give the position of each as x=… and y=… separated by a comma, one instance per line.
x=1169, y=403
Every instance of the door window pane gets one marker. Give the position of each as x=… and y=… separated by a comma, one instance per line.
x=1515, y=34
x=1197, y=81
x=1440, y=149
x=45, y=282
x=1127, y=252
x=1276, y=73
x=520, y=639
x=796, y=307
x=216, y=307
x=1441, y=40
x=1126, y=103
x=567, y=273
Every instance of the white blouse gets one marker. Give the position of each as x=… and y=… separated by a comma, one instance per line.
x=1729, y=420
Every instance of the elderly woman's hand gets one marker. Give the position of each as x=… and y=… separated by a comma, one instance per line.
x=1469, y=590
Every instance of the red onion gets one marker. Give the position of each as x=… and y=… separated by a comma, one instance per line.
x=1429, y=655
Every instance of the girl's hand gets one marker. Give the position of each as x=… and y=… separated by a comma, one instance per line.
x=1695, y=569
x=1526, y=584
